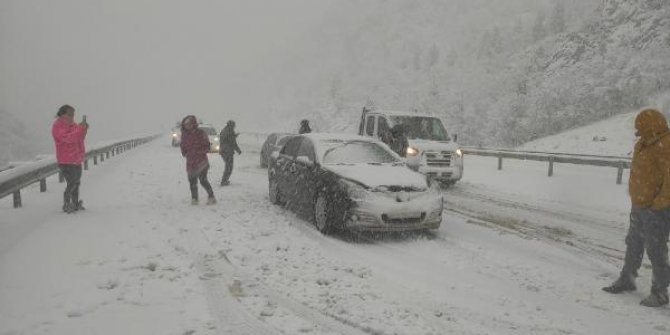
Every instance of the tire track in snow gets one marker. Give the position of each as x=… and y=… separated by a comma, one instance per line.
x=496, y=213
x=220, y=274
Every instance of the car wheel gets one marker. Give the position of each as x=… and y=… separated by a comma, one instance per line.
x=322, y=220
x=274, y=192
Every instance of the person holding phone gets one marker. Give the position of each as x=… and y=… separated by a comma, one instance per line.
x=70, y=152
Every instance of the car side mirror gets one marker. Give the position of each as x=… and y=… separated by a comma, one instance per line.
x=304, y=160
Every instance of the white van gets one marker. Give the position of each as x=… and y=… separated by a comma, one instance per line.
x=431, y=150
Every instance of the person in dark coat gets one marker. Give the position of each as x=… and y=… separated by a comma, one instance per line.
x=398, y=141
x=195, y=146
x=304, y=127
x=649, y=227
x=228, y=147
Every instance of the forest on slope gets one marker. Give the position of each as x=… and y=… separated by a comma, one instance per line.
x=499, y=74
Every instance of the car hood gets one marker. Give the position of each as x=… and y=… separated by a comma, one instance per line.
x=424, y=145
x=376, y=176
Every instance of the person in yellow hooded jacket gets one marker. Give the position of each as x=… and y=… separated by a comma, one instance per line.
x=649, y=189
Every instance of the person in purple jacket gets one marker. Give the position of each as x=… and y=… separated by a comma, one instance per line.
x=195, y=146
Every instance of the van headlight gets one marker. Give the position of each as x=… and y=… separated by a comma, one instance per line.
x=412, y=151
x=459, y=153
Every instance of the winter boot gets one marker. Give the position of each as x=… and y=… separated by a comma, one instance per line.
x=79, y=206
x=655, y=299
x=194, y=201
x=623, y=284
x=68, y=207
x=211, y=200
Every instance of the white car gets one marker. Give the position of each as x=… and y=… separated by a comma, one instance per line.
x=213, y=137
x=176, y=136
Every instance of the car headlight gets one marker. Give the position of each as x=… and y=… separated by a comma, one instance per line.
x=355, y=191
x=459, y=153
x=174, y=135
x=412, y=151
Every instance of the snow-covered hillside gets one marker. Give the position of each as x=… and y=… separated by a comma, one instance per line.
x=525, y=70
x=610, y=137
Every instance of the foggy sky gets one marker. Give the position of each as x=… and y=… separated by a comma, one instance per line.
x=135, y=67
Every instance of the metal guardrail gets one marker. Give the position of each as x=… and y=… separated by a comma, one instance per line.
x=15, y=179
x=620, y=163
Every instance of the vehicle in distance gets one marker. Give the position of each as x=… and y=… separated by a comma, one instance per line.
x=213, y=136
x=431, y=150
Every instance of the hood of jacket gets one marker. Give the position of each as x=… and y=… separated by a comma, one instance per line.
x=650, y=125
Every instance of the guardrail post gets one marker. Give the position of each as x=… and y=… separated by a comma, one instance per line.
x=499, y=162
x=61, y=178
x=107, y=154
x=102, y=158
x=85, y=164
x=95, y=160
x=17, y=198
x=619, y=173
x=43, y=185
x=551, y=166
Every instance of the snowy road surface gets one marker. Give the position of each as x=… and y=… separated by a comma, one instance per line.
x=517, y=253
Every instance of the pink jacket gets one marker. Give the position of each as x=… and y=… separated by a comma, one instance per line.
x=69, y=139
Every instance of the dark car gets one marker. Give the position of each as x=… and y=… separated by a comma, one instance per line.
x=352, y=182
x=272, y=143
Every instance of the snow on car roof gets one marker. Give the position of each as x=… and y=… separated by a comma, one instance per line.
x=322, y=137
x=401, y=113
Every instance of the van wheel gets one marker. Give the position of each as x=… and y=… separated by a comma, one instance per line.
x=322, y=219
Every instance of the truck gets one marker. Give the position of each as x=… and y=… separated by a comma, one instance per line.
x=431, y=150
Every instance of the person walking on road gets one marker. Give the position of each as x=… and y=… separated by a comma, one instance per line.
x=649, y=189
x=70, y=152
x=228, y=147
x=398, y=140
x=195, y=146
x=304, y=127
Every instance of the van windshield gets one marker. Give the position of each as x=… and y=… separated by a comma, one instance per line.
x=422, y=127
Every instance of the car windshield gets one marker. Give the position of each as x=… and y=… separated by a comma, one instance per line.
x=356, y=152
x=209, y=130
x=422, y=127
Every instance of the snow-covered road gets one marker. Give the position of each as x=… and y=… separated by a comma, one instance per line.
x=517, y=253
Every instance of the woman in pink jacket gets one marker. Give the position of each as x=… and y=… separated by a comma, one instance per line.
x=195, y=146
x=70, y=152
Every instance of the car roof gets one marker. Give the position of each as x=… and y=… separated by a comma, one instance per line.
x=400, y=113
x=337, y=137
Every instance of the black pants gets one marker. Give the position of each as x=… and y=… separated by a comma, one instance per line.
x=72, y=175
x=648, y=231
x=228, y=160
x=193, y=183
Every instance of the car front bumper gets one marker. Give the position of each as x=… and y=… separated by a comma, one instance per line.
x=395, y=212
